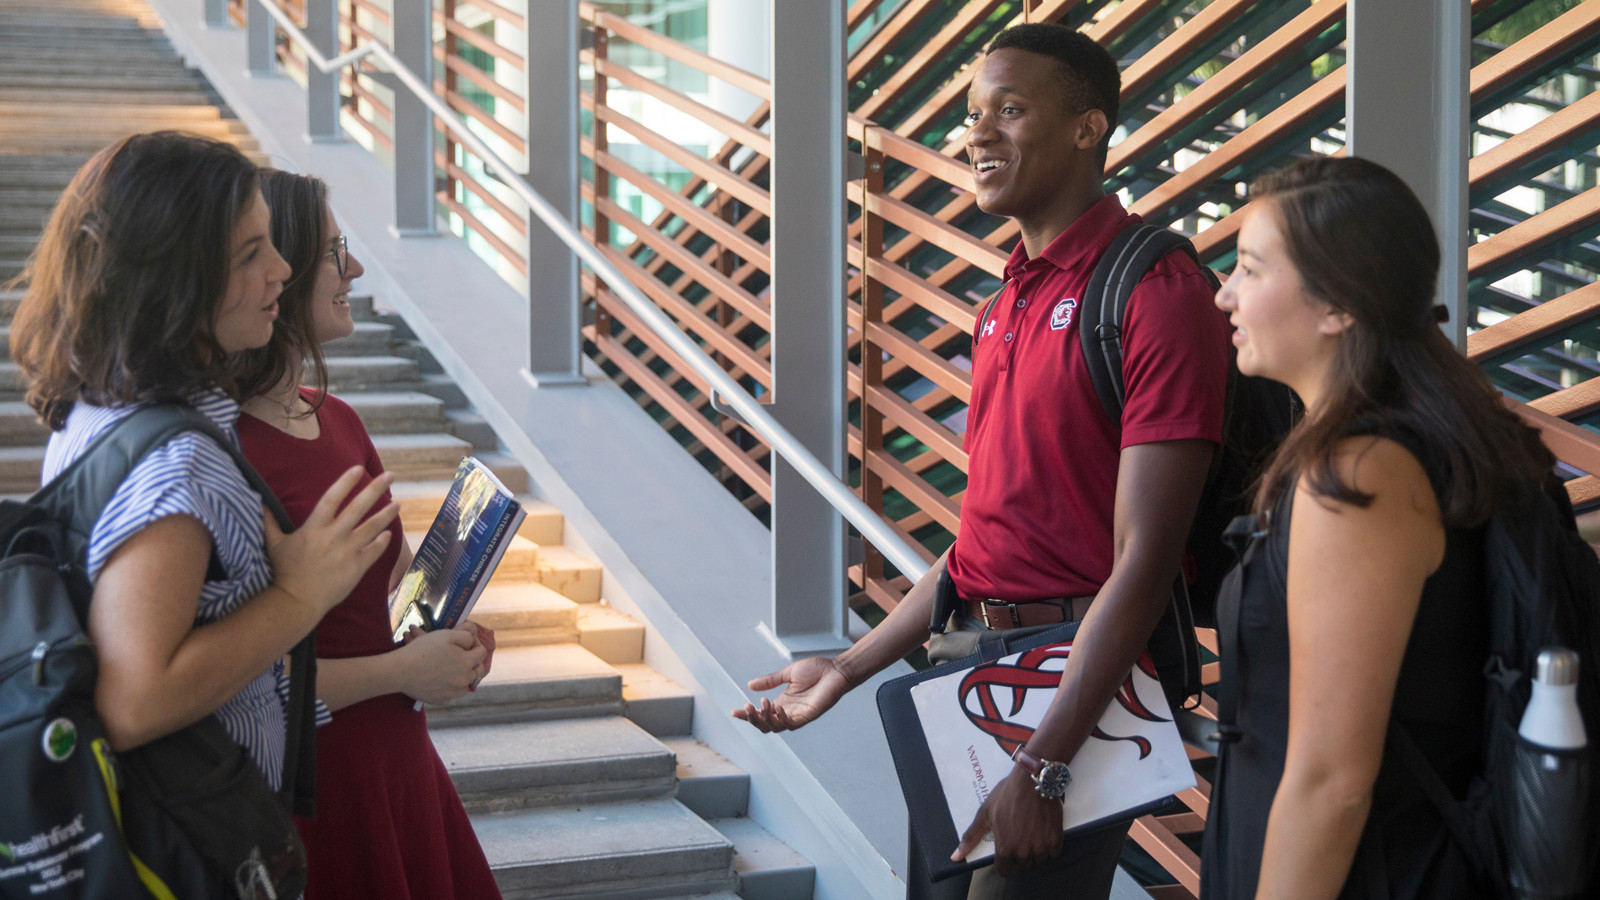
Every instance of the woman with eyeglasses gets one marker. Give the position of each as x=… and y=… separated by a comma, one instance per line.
x=389, y=822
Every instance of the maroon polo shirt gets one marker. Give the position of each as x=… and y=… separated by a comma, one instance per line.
x=1036, y=520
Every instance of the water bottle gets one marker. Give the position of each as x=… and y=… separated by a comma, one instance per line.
x=1550, y=786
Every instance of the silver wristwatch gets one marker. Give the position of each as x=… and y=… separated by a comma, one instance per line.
x=1050, y=779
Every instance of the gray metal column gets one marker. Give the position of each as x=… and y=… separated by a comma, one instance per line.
x=413, y=123
x=217, y=13
x=552, y=91
x=322, y=90
x=808, y=287
x=261, y=33
x=1407, y=108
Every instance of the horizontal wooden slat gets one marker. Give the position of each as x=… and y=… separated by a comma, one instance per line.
x=1505, y=71
x=923, y=294
x=475, y=224
x=1157, y=62
x=1584, y=491
x=937, y=47
x=723, y=233
x=485, y=43
x=1168, y=851
x=1557, y=133
x=1248, y=144
x=1525, y=330
x=1238, y=73
x=501, y=13
x=903, y=415
x=482, y=192
x=728, y=125
x=928, y=364
x=682, y=413
x=700, y=166
x=1571, y=444
x=691, y=319
x=680, y=256
x=957, y=243
x=927, y=162
x=930, y=501
x=1499, y=254
x=1574, y=402
x=694, y=59
x=482, y=79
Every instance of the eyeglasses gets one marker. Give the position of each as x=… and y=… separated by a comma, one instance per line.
x=341, y=254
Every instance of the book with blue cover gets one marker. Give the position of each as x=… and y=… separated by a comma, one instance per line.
x=463, y=546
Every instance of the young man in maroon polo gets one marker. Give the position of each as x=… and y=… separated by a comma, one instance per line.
x=1062, y=504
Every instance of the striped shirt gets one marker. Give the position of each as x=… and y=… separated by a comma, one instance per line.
x=191, y=475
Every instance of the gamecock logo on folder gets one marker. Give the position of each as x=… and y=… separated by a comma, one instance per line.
x=1038, y=670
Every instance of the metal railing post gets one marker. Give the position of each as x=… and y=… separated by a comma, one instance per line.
x=808, y=286
x=551, y=55
x=216, y=14
x=261, y=55
x=413, y=123
x=322, y=88
x=1406, y=106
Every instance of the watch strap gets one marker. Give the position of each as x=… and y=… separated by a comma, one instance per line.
x=1026, y=758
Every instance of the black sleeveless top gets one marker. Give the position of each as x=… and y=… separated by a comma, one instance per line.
x=1405, y=851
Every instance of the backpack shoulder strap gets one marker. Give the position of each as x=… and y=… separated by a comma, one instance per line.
x=1129, y=258
x=78, y=495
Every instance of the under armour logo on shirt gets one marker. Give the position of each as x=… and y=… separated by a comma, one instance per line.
x=1061, y=316
x=988, y=329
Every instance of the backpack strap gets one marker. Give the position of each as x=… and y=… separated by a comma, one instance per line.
x=79, y=494
x=1130, y=257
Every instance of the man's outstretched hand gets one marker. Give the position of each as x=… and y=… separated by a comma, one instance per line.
x=814, y=686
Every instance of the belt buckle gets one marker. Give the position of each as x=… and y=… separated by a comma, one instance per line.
x=1010, y=608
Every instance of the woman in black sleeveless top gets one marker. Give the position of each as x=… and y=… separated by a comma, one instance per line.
x=1361, y=594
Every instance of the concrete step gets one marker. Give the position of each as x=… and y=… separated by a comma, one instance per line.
x=10, y=378
x=91, y=142
x=527, y=614
x=26, y=221
x=188, y=95
x=45, y=57
x=107, y=83
x=353, y=373
x=30, y=197
x=69, y=123
x=537, y=683
x=519, y=566
x=400, y=412
x=499, y=768
x=610, y=634
x=654, y=701
x=608, y=850
x=768, y=869
x=707, y=782
x=369, y=339
x=420, y=500
x=571, y=573
x=130, y=65
x=427, y=456
x=11, y=268
x=20, y=468
x=472, y=428
x=19, y=426
x=442, y=387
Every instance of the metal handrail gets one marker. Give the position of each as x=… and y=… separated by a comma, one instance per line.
x=835, y=491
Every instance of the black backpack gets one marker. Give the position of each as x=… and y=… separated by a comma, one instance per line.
x=185, y=816
x=1257, y=414
x=1543, y=585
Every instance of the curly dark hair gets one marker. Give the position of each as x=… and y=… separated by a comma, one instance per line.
x=121, y=293
x=1087, y=70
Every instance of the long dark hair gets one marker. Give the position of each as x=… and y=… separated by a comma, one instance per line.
x=1362, y=242
x=122, y=291
x=299, y=206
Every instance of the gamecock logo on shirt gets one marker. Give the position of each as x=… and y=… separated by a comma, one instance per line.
x=1061, y=316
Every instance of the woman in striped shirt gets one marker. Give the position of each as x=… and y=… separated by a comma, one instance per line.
x=155, y=265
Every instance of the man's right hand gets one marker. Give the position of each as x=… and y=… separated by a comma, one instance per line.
x=814, y=686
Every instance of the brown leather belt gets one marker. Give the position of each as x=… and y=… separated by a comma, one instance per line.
x=1049, y=611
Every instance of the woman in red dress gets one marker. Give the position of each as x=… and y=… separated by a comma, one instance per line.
x=389, y=823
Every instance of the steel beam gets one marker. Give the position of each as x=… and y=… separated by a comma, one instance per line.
x=322, y=88
x=551, y=52
x=260, y=37
x=413, y=123
x=1406, y=106
x=808, y=329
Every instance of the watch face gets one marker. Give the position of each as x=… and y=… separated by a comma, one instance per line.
x=1052, y=780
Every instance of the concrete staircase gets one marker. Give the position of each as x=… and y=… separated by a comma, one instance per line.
x=575, y=759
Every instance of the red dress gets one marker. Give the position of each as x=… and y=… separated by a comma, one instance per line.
x=389, y=823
